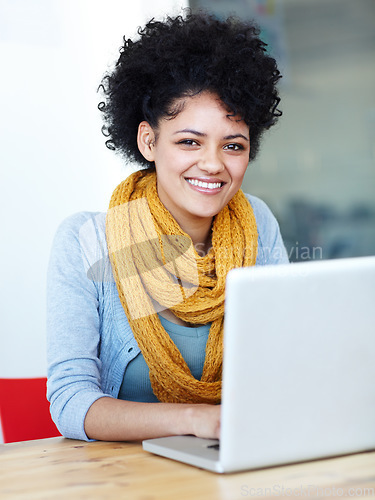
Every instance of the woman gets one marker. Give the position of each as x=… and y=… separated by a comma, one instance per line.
x=136, y=296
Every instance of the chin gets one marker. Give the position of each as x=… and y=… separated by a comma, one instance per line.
x=206, y=214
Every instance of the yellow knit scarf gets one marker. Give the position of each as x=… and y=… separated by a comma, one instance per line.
x=156, y=267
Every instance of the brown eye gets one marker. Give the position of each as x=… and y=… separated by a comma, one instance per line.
x=188, y=142
x=234, y=147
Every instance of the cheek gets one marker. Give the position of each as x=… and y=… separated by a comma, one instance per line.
x=180, y=162
x=171, y=161
x=238, y=170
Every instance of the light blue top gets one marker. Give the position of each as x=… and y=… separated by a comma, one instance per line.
x=89, y=340
x=190, y=341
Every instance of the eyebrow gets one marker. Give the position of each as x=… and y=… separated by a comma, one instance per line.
x=201, y=134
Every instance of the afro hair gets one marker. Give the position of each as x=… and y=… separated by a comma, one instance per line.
x=183, y=56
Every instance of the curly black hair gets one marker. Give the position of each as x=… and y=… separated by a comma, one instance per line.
x=183, y=56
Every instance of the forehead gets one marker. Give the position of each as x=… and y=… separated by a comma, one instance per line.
x=204, y=110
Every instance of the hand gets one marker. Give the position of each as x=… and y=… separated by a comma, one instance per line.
x=204, y=420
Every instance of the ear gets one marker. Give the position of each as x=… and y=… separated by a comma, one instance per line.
x=146, y=140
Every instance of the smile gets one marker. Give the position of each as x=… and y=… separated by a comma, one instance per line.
x=205, y=185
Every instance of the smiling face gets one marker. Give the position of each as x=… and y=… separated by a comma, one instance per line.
x=200, y=156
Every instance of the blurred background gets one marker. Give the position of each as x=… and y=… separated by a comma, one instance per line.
x=316, y=168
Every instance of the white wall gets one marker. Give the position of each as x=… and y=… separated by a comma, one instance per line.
x=53, y=161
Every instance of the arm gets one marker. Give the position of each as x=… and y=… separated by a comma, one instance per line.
x=79, y=406
x=74, y=369
x=111, y=419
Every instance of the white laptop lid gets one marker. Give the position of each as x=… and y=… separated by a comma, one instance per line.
x=299, y=362
x=299, y=370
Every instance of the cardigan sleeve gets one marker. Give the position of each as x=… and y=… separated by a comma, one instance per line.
x=73, y=332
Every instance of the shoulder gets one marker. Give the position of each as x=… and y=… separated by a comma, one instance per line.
x=77, y=223
x=262, y=212
x=267, y=224
x=271, y=249
x=80, y=240
x=81, y=229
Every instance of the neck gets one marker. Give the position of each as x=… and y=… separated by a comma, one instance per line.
x=200, y=233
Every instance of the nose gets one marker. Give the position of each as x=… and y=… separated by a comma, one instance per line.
x=211, y=161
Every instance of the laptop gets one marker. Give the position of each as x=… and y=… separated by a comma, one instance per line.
x=298, y=368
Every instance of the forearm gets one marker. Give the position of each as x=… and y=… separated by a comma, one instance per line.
x=111, y=419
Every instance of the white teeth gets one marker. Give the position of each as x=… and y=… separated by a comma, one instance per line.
x=206, y=185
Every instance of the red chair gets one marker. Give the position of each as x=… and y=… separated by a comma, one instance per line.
x=24, y=410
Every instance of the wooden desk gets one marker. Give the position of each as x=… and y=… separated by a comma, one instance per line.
x=60, y=468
